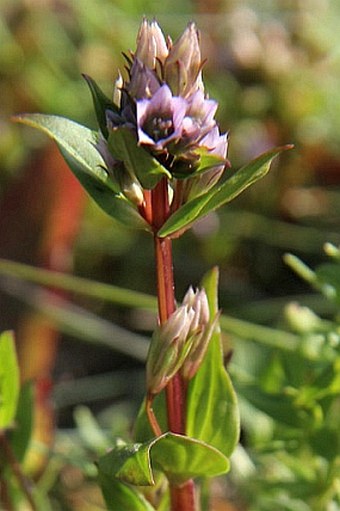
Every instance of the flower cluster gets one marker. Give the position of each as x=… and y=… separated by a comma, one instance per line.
x=163, y=103
x=181, y=342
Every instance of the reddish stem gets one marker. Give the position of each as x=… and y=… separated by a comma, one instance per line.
x=182, y=497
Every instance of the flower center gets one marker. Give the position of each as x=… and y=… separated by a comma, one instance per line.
x=159, y=128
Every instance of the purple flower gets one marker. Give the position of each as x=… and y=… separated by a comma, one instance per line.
x=143, y=81
x=199, y=118
x=217, y=145
x=160, y=119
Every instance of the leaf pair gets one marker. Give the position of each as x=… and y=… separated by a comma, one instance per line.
x=180, y=457
x=77, y=145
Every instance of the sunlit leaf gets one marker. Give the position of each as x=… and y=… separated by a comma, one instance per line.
x=77, y=145
x=182, y=458
x=9, y=380
x=212, y=410
x=21, y=434
x=220, y=195
x=179, y=457
x=101, y=104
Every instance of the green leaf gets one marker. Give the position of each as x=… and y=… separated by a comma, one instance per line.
x=138, y=162
x=212, y=410
x=74, y=140
x=220, y=195
x=77, y=145
x=206, y=161
x=182, y=458
x=113, y=204
x=9, y=380
x=179, y=457
x=101, y=104
x=120, y=496
x=20, y=436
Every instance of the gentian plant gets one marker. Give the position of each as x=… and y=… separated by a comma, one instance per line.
x=159, y=162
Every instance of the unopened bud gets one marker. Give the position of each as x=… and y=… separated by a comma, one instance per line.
x=129, y=185
x=151, y=44
x=198, y=350
x=180, y=342
x=183, y=65
x=143, y=81
x=168, y=348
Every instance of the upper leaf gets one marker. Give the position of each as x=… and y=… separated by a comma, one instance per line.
x=212, y=410
x=9, y=380
x=101, y=103
x=220, y=195
x=77, y=145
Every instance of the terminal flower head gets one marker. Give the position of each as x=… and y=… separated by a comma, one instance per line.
x=162, y=103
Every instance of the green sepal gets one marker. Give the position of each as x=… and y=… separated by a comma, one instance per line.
x=138, y=162
x=20, y=436
x=118, y=495
x=205, y=161
x=220, y=195
x=101, y=103
x=9, y=380
x=212, y=410
x=77, y=145
x=181, y=458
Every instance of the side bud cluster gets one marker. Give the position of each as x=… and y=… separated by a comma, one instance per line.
x=180, y=343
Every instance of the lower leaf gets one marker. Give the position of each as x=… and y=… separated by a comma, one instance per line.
x=120, y=496
x=181, y=458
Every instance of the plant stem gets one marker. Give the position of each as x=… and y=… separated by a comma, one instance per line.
x=182, y=497
x=16, y=469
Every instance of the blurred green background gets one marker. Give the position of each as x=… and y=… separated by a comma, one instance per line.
x=274, y=67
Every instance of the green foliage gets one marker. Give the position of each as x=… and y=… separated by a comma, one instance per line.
x=21, y=434
x=9, y=380
x=180, y=457
x=212, y=410
x=101, y=103
x=290, y=407
x=121, y=496
x=77, y=145
x=221, y=194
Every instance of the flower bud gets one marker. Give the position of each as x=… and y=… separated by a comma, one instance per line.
x=198, y=349
x=151, y=44
x=182, y=69
x=143, y=82
x=183, y=337
x=168, y=348
x=129, y=185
